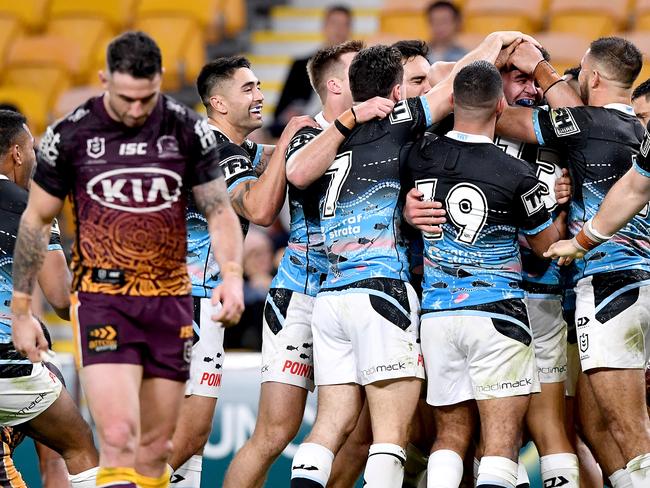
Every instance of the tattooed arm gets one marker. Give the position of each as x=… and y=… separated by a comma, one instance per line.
x=29, y=254
x=228, y=243
x=261, y=200
x=267, y=152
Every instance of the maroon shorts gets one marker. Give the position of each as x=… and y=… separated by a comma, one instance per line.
x=154, y=332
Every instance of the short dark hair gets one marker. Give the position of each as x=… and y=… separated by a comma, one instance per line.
x=320, y=64
x=11, y=125
x=643, y=90
x=545, y=55
x=343, y=9
x=620, y=57
x=216, y=71
x=443, y=4
x=478, y=86
x=374, y=72
x=575, y=71
x=134, y=53
x=412, y=48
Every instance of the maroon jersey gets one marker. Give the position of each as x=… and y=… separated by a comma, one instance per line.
x=128, y=189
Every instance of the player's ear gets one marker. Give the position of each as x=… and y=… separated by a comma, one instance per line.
x=595, y=79
x=501, y=106
x=396, y=93
x=334, y=86
x=16, y=155
x=218, y=104
x=451, y=100
x=103, y=78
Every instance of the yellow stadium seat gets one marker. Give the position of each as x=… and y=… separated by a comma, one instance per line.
x=118, y=13
x=10, y=29
x=72, y=98
x=640, y=39
x=587, y=18
x=204, y=12
x=485, y=16
x=566, y=50
x=641, y=14
x=32, y=14
x=234, y=16
x=644, y=74
x=30, y=102
x=183, y=53
x=50, y=80
x=88, y=34
x=405, y=18
x=381, y=38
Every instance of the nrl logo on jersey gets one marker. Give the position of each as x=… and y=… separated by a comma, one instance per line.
x=136, y=190
x=95, y=147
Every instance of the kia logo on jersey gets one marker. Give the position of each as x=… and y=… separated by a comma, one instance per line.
x=136, y=190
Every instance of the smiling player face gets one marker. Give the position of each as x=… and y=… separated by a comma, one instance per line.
x=242, y=99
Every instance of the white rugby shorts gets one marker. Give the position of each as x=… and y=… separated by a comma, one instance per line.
x=26, y=397
x=613, y=328
x=549, y=336
x=367, y=333
x=481, y=354
x=287, y=345
x=206, y=365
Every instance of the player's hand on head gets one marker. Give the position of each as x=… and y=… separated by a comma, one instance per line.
x=563, y=187
x=525, y=57
x=508, y=37
x=503, y=59
x=425, y=215
x=28, y=337
x=564, y=251
x=375, y=108
x=294, y=125
x=230, y=294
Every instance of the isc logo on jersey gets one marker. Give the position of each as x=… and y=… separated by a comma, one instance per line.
x=136, y=190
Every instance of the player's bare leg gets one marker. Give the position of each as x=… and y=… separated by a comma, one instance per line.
x=590, y=473
x=54, y=472
x=545, y=420
x=161, y=400
x=620, y=394
x=593, y=426
x=279, y=416
x=192, y=433
x=113, y=394
x=392, y=404
x=351, y=458
x=454, y=427
x=62, y=429
x=502, y=421
x=421, y=437
x=339, y=407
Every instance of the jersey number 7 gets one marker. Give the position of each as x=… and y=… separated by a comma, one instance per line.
x=466, y=206
x=339, y=171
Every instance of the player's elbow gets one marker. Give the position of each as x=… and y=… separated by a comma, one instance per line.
x=265, y=216
x=297, y=178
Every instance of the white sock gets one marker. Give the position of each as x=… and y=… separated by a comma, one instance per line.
x=85, y=479
x=522, y=474
x=445, y=469
x=189, y=474
x=313, y=462
x=639, y=469
x=560, y=470
x=620, y=479
x=385, y=466
x=497, y=470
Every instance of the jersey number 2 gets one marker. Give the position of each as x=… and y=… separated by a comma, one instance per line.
x=466, y=206
x=338, y=171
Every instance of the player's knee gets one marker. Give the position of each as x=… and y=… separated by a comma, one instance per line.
x=275, y=438
x=120, y=436
x=158, y=449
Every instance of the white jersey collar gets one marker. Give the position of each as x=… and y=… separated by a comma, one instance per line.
x=473, y=138
x=320, y=120
x=3, y=177
x=621, y=107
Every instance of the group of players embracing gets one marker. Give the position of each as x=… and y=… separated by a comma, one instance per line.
x=458, y=180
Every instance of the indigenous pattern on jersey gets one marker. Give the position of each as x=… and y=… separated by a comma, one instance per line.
x=489, y=196
x=601, y=144
x=238, y=164
x=642, y=164
x=13, y=200
x=304, y=263
x=359, y=198
x=129, y=188
x=547, y=164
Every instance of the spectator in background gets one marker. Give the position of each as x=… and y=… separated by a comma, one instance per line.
x=444, y=19
x=298, y=97
x=641, y=102
x=258, y=274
